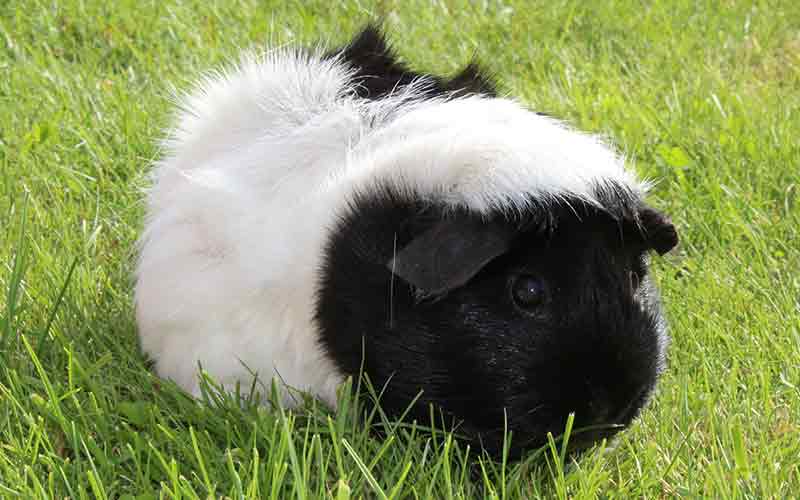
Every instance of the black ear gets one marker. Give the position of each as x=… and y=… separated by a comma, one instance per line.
x=657, y=230
x=472, y=80
x=450, y=253
x=369, y=51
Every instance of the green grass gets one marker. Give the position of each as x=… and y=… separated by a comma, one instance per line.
x=702, y=96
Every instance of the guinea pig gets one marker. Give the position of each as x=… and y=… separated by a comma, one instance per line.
x=316, y=214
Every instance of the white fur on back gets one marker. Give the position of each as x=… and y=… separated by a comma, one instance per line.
x=263, y=159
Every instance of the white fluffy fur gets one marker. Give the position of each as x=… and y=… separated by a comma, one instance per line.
x=262, y=160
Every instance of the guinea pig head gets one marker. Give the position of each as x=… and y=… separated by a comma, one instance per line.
x=509, y=321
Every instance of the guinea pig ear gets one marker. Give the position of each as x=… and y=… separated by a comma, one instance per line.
x=450, y=253
x=657, y=230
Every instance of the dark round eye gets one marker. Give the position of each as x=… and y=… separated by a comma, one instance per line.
x=529, y=292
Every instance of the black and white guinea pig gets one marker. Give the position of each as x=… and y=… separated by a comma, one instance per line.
x=318, y=212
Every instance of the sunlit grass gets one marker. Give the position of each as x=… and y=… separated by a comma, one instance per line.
x=703, y=97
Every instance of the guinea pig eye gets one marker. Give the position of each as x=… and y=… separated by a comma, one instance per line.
x=528, y=292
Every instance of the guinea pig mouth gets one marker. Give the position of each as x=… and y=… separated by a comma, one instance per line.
x=580, y=438
x=633, y=409
x=586, y=437
x=587, y=430
x=583, y=439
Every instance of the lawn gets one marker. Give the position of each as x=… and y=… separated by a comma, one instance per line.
x=702, y=96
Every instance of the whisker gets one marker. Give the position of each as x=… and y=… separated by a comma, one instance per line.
x=391, y=283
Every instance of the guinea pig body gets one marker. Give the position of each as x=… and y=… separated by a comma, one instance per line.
x=319, y=213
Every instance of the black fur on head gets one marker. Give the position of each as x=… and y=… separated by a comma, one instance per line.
x=555, y=314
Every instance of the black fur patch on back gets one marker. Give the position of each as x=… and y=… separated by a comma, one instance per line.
x=378, y=72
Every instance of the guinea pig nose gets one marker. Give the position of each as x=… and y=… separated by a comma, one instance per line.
x=599, y=406
x=631, y=406
x=598, y=412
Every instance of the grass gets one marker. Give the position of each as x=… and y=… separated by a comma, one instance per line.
x=702, y=96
